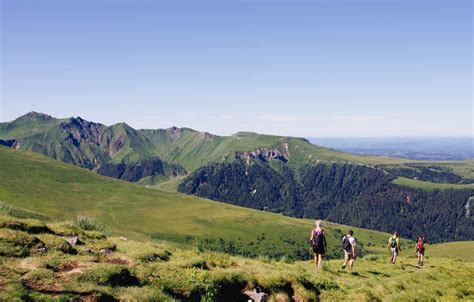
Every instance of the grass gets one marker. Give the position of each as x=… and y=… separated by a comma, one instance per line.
x=460, y=250
x=426, y=185
x=36, y=186
x=162, y=271
x=168, y=184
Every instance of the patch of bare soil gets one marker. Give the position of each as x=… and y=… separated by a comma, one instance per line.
x=29, y=264
x=71, y=268
x=117, y=260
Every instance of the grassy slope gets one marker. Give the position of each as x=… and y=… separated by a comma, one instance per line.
x=453, y=250
x=426, y=185
x=136, y=271
x=45, y=187
x=195, y=151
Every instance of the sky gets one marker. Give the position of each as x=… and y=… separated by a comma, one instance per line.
x=361, y=68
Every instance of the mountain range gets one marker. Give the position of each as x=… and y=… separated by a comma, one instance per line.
x=286, y=175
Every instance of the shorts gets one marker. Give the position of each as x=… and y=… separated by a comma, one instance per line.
x=420, y=253
x=394, y=251
x=348, y=255
x=319, y=249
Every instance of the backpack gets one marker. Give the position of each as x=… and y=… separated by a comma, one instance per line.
x=393, y=242
x=346, y=244
x=419, y=245
x=317, y=239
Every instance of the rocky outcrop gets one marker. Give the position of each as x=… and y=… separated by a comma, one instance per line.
x=263, y=154
x=174, y=132
x=36, y=116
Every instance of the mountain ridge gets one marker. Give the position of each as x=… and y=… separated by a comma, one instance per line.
x=281, y=174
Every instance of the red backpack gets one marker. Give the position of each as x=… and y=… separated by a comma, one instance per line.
x=419, y=245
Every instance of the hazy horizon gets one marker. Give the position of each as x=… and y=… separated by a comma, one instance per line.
x=307, y=69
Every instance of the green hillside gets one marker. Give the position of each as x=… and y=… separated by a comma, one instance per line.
x=37, y=264
x=427, y=185
x=36, y=186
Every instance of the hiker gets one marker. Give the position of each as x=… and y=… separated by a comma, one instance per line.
x=349, y=246
x=394, y=246
x=420, y=249
x=318, y=243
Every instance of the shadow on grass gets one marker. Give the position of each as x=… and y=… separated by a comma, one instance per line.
x=379, y=273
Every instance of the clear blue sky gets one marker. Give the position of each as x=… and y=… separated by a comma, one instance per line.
x=303, y=68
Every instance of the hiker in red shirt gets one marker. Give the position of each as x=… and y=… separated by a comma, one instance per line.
x=420, y=249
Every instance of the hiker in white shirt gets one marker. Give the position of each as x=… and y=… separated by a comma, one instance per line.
x=349, y=246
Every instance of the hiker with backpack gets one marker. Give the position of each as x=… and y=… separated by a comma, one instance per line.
x=318, y=243
x=420, y=249
x=394, y=246
x=349, y=247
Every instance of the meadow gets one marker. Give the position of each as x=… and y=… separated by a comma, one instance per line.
x=38, y=265
x=429, y=186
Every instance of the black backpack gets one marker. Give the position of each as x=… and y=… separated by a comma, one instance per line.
x=393, y=242
x=346, y=244
x=317, y=240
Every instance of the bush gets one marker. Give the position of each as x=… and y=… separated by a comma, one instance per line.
x=17, y=243
x=26, y=225
x=54, y=243
x=145, y=294
x=190, y=284
x=219, y=260
x=5, y=210
x=91, y=224
x=109, y=275
x=153, y=256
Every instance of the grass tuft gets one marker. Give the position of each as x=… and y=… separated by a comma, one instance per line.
x=87, y=223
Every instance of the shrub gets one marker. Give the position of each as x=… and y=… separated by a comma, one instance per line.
x=17, y=243
x=39, y=275
x=5, y=210
x=219, y=260
x=154, y=256
x=54, y=243
x=27, y=225
x=190, y=284
x=109, y=275
x=194, y=262
x=145, y=294
x=91, y=224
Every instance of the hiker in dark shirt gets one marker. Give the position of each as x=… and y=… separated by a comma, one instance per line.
x=318, y=243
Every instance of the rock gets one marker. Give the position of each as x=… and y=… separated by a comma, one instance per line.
x=256, y=295
x=106, y=251
x=123, y=238
x=42, y=250
x=263, y=154
x=72, y=240
x=88, y=250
